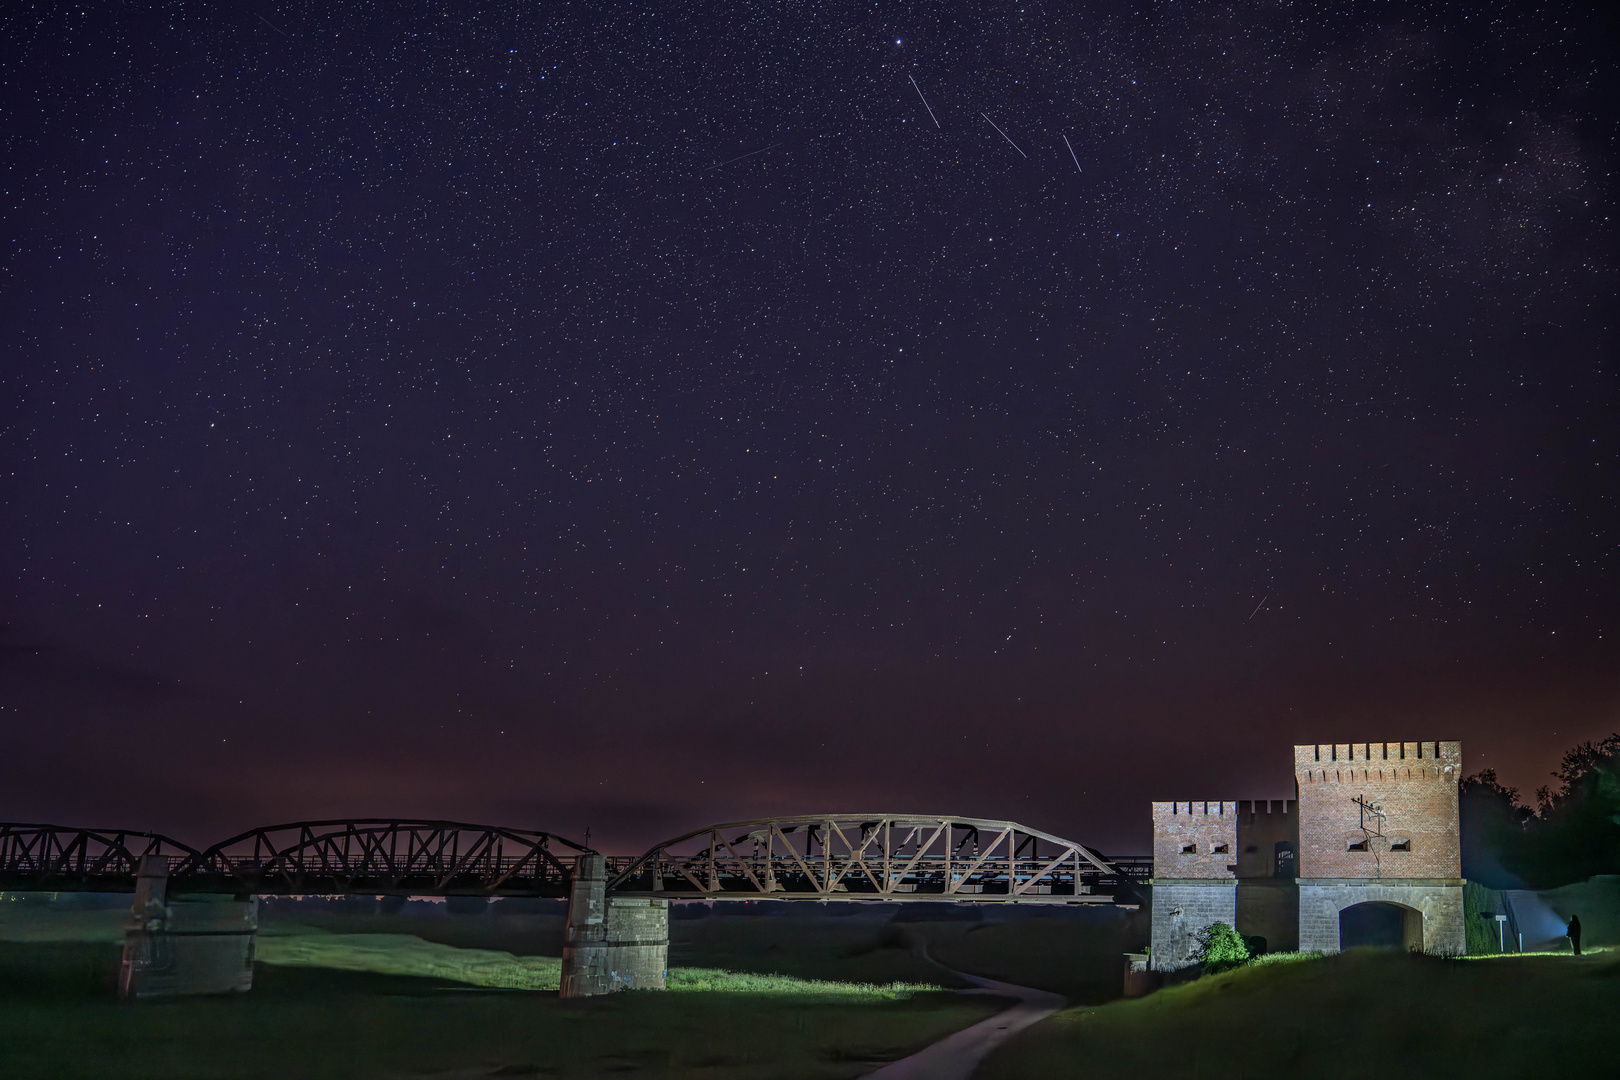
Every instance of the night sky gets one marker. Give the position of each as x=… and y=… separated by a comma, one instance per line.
x=633, y=416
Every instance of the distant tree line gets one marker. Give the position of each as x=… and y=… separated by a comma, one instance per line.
x=1572, y=833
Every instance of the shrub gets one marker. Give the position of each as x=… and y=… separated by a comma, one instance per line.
x=1220, y=948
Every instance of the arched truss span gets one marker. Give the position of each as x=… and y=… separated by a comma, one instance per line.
x=55, y=858
x=873, y=857
x=383, y=857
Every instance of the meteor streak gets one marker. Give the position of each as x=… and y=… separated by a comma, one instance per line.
x=1077, y=167
x=927, y=106
x=739, y=157
x=1003, y=134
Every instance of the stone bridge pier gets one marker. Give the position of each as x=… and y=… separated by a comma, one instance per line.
x=612, y=942
x=176, y=947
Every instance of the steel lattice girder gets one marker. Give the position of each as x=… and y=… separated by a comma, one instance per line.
x=386, y=857
x=872, y=857
x=365, y=857
x=56, y=858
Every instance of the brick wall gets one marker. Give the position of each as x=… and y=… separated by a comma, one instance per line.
x=1414, y=785
x=1261, y=826
x=1194, y=839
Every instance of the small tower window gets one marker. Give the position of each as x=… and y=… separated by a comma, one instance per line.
x=1358, y=845
x=1400, y=844
x=1221, y=849
x=1189, y=849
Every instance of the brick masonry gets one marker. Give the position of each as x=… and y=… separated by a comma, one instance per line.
x=1265, y=831
x=1410, y=795
x=1373, y=823
x=1195, y=840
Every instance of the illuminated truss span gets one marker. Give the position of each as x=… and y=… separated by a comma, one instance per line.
x=383, y=857
x=887, y=857
x=54, y=858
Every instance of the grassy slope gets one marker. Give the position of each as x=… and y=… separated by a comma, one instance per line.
x=1364, y=1013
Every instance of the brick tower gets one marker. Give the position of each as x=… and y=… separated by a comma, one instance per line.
x=1378, y=825
x=1195, y=856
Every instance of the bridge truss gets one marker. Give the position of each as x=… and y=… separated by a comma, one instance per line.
x=364, y=857
x=872, y=857
x=54, y=858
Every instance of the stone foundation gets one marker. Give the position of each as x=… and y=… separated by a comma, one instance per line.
x=181, y=947
x=612, y=943
x=1180, y=910
x=1434, y=911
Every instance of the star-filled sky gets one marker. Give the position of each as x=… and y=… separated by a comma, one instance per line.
x=629, y=416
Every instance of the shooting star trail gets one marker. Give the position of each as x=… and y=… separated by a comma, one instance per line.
x=1004, y=135
x=1257, y=607
x=274, y=27
x=927, y=106
x=739, y=157
x=1077, y=167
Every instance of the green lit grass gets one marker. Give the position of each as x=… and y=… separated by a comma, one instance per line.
x=402, y=954
x=1364, y=1013
x=327, y=1006
x=738, y=982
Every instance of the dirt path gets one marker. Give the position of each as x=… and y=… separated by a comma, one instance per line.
x=955, y=1057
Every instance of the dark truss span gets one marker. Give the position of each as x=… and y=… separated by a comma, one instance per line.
x=393, y=856
x=56, y=858
x=890, y=857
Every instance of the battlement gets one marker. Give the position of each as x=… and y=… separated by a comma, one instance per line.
x=1249, y=809
x=1195, y=840
x=1208, y=808
x=1328, y=761
x=1379, y=810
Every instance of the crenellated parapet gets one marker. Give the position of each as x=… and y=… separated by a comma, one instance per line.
x=1195, y=840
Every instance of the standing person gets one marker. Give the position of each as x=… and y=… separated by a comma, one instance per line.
x=1574, y=932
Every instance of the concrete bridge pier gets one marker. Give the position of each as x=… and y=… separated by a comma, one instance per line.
x=172, y=948
x=611, y=943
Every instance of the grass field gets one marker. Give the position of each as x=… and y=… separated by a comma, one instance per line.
x=1361, y=1014
x=331, y=1002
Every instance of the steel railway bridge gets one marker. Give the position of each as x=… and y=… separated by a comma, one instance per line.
x=873, y=857
x=195, y=910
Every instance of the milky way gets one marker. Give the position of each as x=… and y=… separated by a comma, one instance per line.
x=632, y=416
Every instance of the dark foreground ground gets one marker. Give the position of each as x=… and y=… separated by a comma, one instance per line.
x=766, y=991
x=58, y=1021
x=787, y=991
x=1365, y=1013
